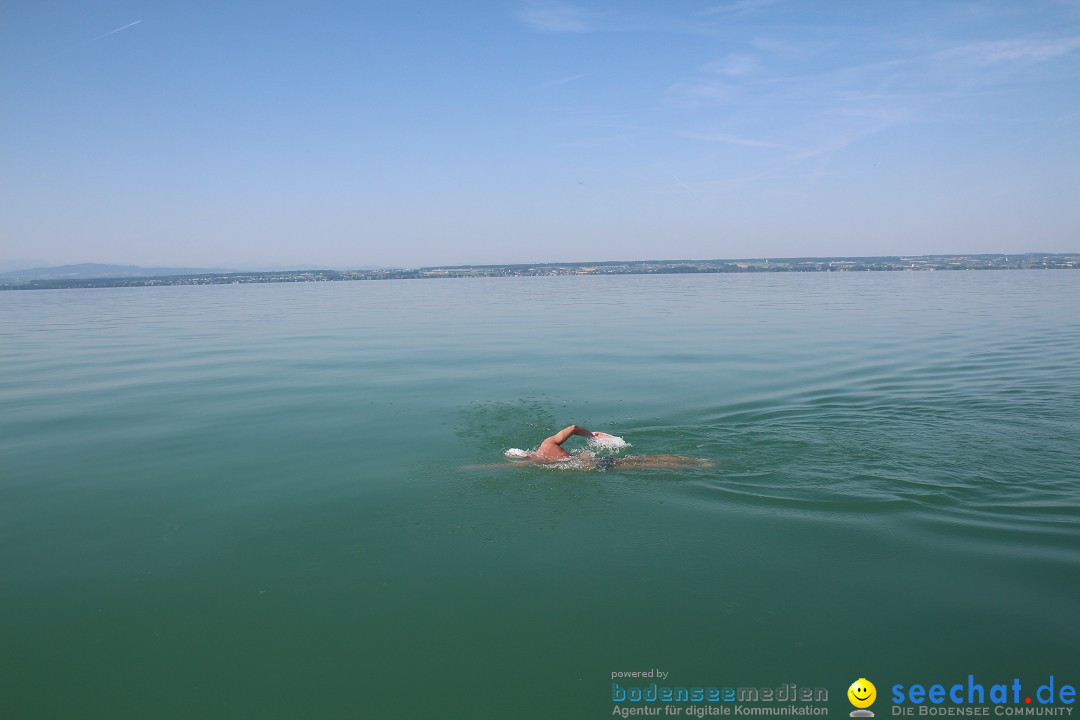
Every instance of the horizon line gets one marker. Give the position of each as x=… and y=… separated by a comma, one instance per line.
x=209, y=268
x=455, y=266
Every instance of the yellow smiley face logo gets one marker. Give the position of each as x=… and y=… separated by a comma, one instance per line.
x=862, y=693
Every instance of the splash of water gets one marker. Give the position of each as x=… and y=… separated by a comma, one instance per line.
x=603, y=441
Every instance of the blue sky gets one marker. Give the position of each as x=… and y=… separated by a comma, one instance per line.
x=259, y=134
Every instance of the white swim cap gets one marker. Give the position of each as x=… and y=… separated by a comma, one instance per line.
x=517, y=453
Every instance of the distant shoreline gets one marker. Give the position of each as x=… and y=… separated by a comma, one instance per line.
x=916, y=263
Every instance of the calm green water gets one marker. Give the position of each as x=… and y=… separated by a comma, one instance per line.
x=264, y=501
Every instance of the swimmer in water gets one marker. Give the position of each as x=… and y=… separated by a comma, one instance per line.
x=551, y=450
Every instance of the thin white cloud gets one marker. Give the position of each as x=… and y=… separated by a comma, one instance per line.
x=734, y=65
x=696, y=94
x=598, y=142
x=738, y=7
x=559, y=81
x=1002, y=51
x=790, y=49
x=688, y=189
x=728, y=139
x=821, y=152
x=558, y=17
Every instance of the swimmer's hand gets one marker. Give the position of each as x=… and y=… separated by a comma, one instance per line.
x=602, y=436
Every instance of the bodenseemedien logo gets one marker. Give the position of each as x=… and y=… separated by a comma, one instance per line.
x=862, y=695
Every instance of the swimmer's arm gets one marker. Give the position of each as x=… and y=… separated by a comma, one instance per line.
x=563, y=435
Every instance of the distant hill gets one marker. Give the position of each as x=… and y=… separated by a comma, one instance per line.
x=90, y=271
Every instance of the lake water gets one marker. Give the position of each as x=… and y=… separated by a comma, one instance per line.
x=287, y=501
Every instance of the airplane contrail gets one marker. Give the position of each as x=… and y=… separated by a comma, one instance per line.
x=125, y=27
x=687, y=188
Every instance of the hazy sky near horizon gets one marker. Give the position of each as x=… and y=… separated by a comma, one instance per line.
x=268, y=133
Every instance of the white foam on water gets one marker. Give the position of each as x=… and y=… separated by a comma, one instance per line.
x=608, y=442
